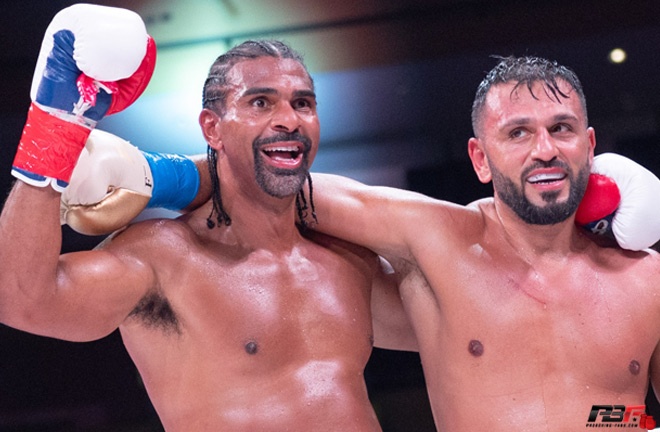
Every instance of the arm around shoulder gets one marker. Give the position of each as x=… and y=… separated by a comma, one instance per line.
x=383, y=219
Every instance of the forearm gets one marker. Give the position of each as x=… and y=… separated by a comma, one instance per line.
x=205, y=186
x=373, y=217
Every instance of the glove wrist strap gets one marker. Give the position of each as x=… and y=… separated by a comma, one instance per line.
x=176, y=180
x=49, y=148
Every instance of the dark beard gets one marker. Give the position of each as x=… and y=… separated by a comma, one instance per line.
x=550, y=214
x=279, y=182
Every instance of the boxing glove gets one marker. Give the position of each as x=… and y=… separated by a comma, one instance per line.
x=623, y=200
x=113, y=182
x=647, y=422
x=94, y=61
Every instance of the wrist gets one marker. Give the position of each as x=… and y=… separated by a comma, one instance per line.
x=48, y=149
x=175, y=180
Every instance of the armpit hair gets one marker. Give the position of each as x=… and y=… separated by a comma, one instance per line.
x=155, y=311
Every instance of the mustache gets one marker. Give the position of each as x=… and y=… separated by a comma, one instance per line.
x=284, y=137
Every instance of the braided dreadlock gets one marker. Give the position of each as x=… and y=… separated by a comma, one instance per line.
x=222, y=215
x=301, y=204
x=214, y=96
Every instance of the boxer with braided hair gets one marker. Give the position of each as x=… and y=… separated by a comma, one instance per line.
x=214, y=98
x=253, y=325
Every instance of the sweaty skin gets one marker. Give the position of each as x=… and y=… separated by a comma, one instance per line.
x=247, y=327
x=520, y=327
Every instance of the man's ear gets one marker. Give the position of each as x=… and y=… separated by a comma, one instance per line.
x=479, y=160
x=591, y=134
x=210, y=124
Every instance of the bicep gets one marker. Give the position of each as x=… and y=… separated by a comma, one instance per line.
x=382, y=219
x=94, y=292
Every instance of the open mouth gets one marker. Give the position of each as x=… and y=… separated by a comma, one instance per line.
x=546, y=178
x=284, y=154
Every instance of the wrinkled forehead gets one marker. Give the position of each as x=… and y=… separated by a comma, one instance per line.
x=269, y=72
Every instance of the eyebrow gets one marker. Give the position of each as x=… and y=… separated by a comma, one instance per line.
x=304, y=93
x=259, y=90
x=270, y=90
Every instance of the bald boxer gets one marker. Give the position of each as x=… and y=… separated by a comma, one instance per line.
x=523, y=322
x=242, y=321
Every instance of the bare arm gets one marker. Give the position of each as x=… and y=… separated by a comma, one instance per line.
x=655, y=371
x=386, y=220
x=78, y=296
x=205, y=188
x=392, y=329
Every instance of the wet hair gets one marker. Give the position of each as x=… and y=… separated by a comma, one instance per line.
x=214, y=97
x=526, y=71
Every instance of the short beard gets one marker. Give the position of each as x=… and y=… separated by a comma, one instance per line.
x=280, y=182
x=552, y=213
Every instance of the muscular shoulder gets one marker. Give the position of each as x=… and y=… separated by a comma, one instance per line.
x=150, y=234
x=645, y=262
x=157, y=245
x=444, y=225
x=633, y=270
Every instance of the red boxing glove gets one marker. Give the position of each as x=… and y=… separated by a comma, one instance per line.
x=600, y=201
x=129, y=89
x=94, y=61
x=631, y=217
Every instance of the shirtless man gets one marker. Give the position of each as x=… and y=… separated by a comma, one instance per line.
x=523, y=322
x=248, y=326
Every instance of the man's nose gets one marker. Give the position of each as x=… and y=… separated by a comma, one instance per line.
x=544, y=146
x=285, y=118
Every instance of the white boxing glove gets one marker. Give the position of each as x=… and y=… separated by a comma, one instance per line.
x=110, y=185
x=94, y=61
x=635, y=222
x=114, y=181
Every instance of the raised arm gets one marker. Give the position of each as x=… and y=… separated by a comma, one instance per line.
x=79, y=78
x=79, y=296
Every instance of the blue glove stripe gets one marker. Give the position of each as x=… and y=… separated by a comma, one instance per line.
x=58, y=85
x=176, y=180
x=37, y=178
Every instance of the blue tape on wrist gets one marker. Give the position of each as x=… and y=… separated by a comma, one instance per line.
x=176, y=180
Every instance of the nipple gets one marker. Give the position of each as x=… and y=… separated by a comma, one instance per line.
x=634, y=367
x=475, y=348
x=251, y=347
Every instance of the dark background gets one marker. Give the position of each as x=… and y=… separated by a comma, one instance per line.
x=53, y=386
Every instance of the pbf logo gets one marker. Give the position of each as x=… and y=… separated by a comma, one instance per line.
x=620, y=416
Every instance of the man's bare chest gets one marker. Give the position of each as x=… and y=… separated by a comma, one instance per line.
x=271, y=305
x=576, y=322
